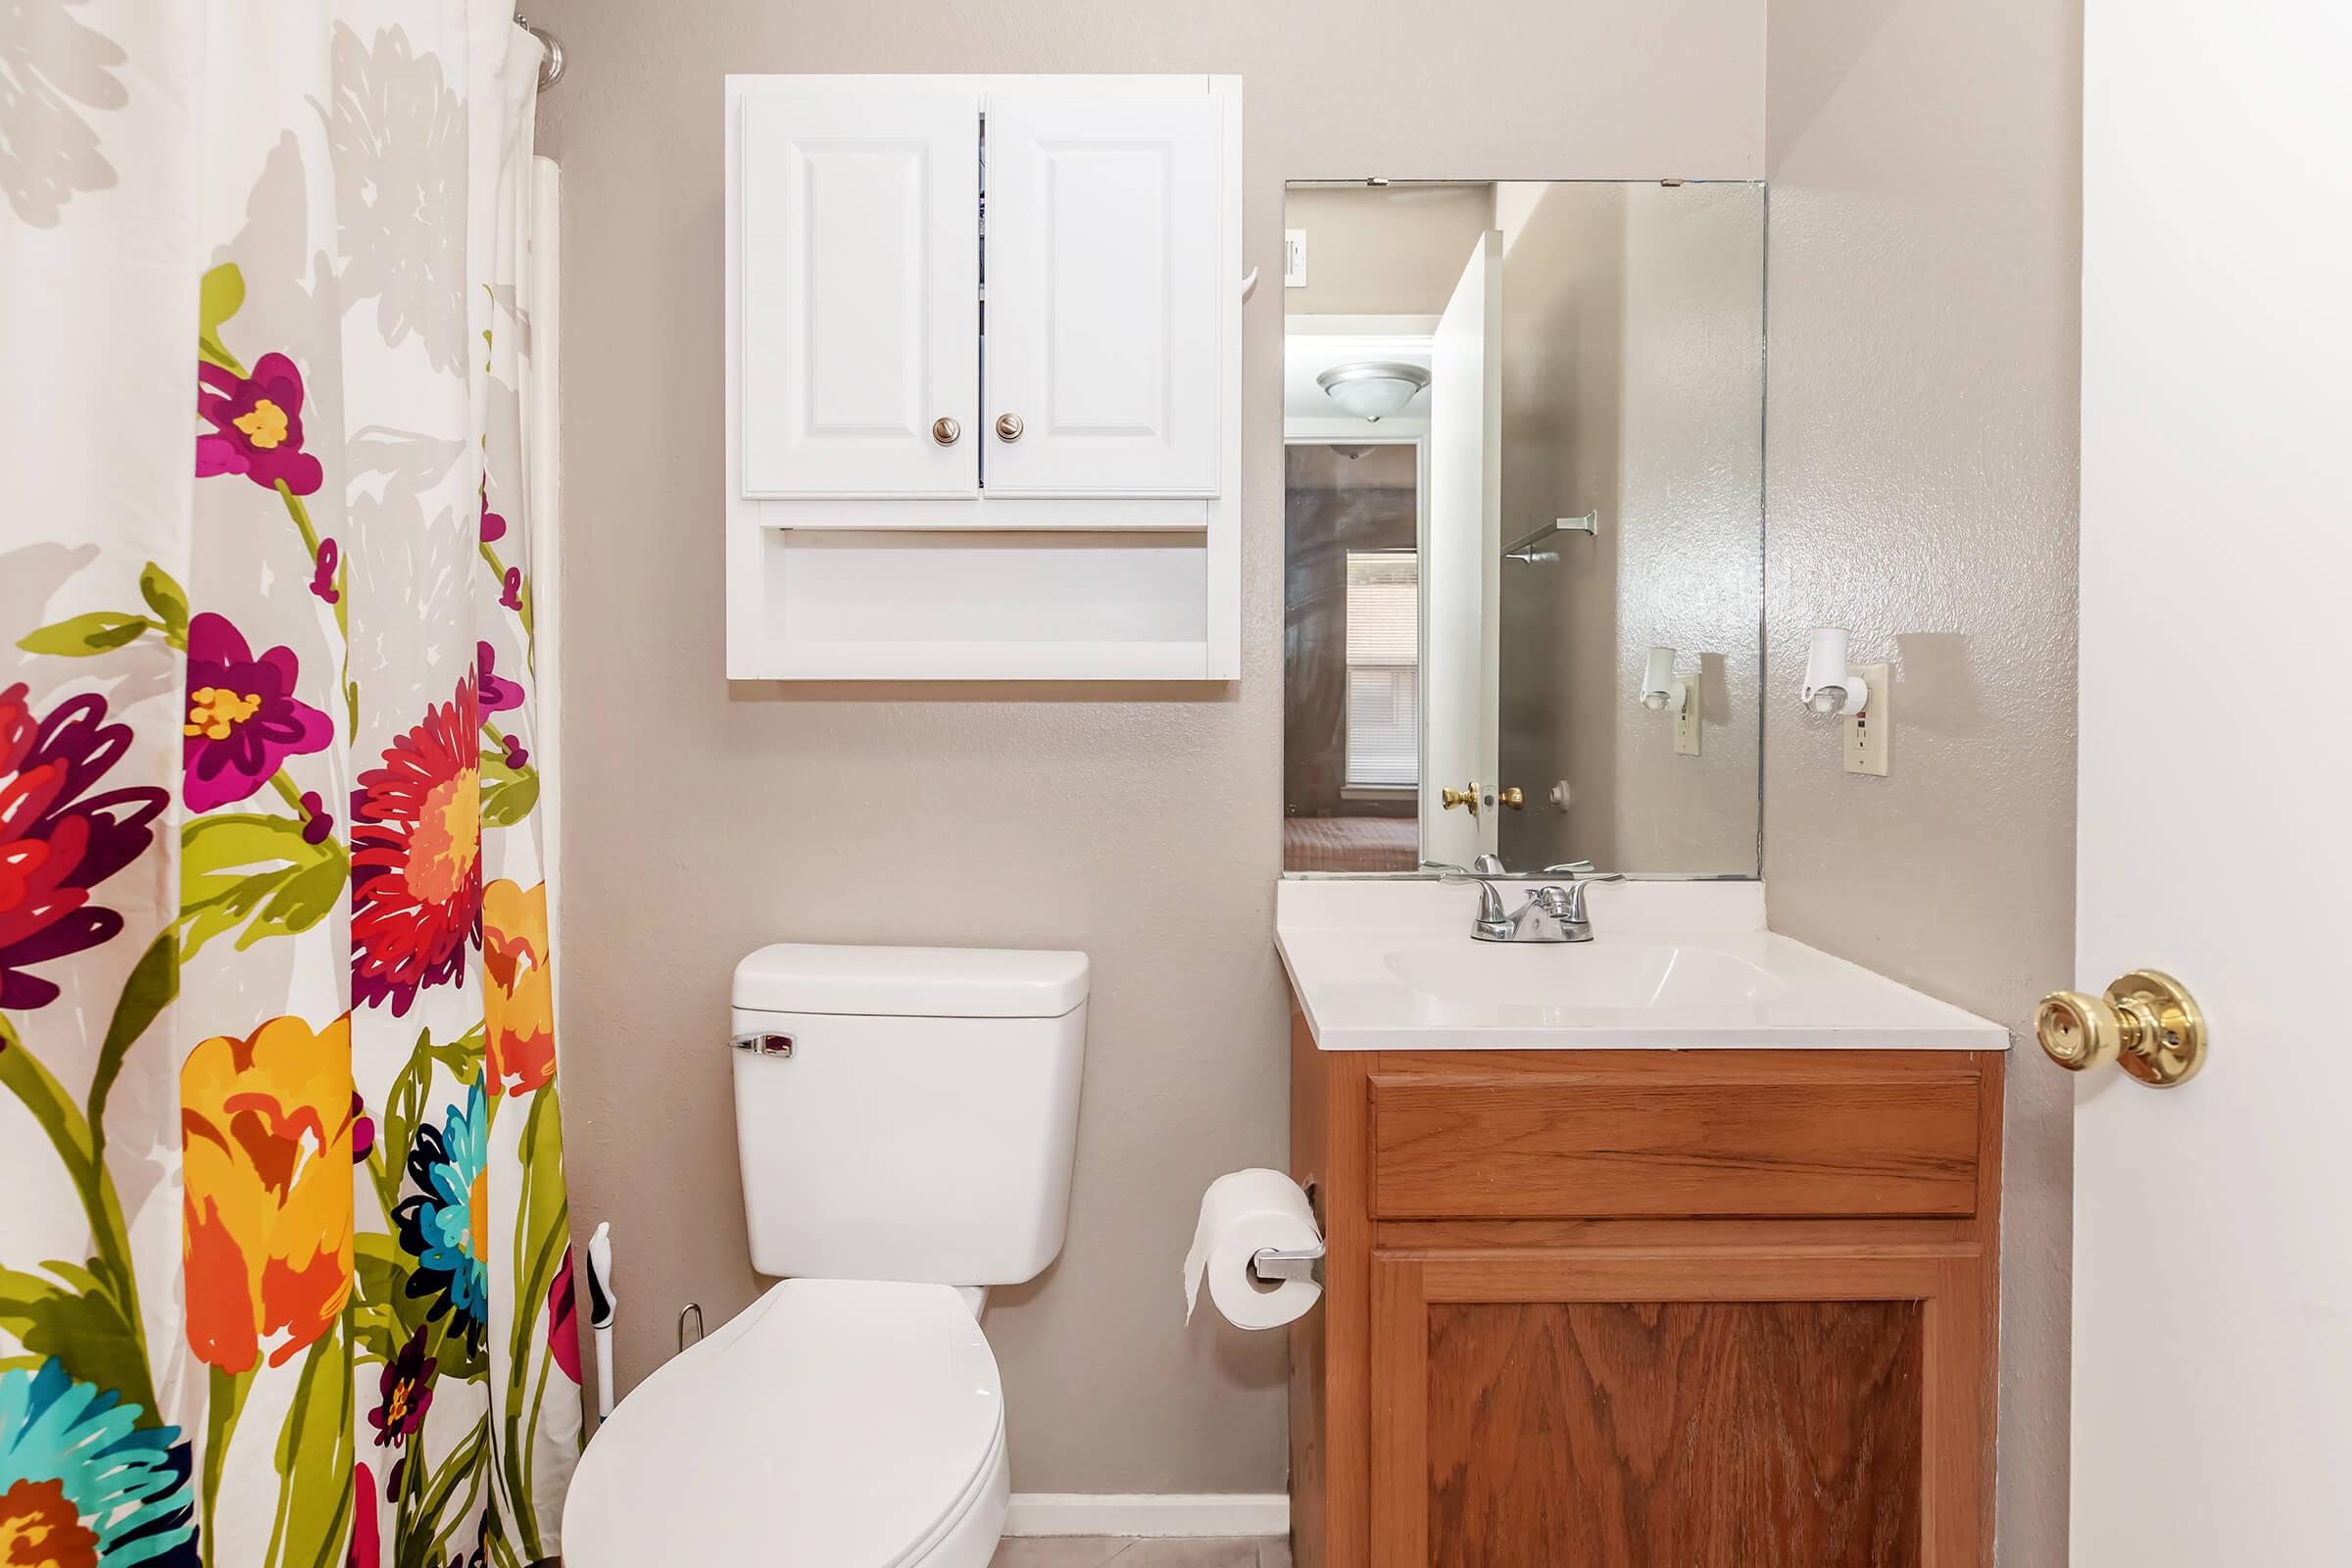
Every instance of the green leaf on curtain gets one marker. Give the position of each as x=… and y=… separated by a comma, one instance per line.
x=505, y=805
x=169, y=602
x=77, y=1321
x=256, y=871
x=541, y=1230
x=79, y=637
x=152, y=985
x=225, y=1402
x=314, y=1454
x=218, y=298
x=428, y=1529
x=392, y=1315
x=396, y=1119
x=69, y=1132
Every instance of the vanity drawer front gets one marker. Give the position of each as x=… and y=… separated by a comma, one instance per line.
x=1646, y=1137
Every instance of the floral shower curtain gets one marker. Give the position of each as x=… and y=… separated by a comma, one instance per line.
x=284, y=1263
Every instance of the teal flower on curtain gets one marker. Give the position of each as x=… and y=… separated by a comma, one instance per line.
x=81, y=1486
x=446, y=1228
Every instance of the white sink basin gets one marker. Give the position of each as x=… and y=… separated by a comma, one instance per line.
x=1566, y=977
x=1675, y=965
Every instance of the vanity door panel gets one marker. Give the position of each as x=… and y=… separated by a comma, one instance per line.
x=1106, y=301
x=860, y=316
x=1799, y=1406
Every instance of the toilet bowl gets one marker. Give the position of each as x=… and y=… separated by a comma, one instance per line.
x=905, y=1119
x=834, y=1424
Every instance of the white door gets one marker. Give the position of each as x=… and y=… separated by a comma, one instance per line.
x=2213, y=1221
x=1461, y=557
x=860, y=276
x=1105, y=303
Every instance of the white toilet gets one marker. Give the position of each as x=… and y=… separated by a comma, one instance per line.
x=906, y=1118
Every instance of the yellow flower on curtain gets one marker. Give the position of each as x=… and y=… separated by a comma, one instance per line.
x=266, y=1141
x=517, y=993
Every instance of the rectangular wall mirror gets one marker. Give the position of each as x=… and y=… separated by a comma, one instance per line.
x=1523, y=428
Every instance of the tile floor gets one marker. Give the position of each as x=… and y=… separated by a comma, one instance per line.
x=1096, y=1552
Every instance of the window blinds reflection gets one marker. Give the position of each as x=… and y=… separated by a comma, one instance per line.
x=1383, y=618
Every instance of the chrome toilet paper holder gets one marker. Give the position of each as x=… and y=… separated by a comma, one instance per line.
x=1271, y=1266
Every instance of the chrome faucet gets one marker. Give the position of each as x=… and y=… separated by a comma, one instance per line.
x=1551, y=913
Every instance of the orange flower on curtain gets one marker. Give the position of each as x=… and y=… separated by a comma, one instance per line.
x=517, y=1001
x=265, y=1146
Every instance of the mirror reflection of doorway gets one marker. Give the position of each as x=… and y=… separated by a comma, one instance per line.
x=1351, y=670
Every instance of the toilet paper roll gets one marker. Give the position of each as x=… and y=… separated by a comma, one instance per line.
x=1243, y=1211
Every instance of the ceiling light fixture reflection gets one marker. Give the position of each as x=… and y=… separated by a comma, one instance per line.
x=1373, y=389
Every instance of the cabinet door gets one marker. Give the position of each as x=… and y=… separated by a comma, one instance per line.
x=859, y=317
x=1105, y=296
x=1708, y=1408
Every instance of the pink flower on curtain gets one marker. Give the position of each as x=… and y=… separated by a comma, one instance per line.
x=367, y=1539
x=257, y=426
x=498, y=694
x=56, y=841
x=416, y=857
x=494, y=527
x=406, y=1391
x=243, y=719
x=563, y=1320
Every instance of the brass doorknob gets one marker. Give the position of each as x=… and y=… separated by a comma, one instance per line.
x=1466, y=797
x=2147, y=1022
x=1009, y=428
x=1514, y=797
x=946, y=432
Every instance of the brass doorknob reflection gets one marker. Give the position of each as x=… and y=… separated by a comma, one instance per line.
x=1514, y=797
x=2147, y=1022
x=1009, y=428
x=946, y=432
x=1467, y=797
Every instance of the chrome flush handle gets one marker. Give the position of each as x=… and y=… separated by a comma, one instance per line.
x=763, y=1045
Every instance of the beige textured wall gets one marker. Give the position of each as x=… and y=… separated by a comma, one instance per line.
x=1387, y=250
x=1633, y=382
x=1925, y=238
x=1140, y=824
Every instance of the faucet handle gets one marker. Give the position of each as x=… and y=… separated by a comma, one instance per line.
x=1488, y=864
x=1569, y=868
x=1490, y=902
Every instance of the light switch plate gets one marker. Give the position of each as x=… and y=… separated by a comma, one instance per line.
x=1293, y=258
x=1686, y=722
x=1867, y=732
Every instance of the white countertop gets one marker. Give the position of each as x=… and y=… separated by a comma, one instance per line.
x=1390, y=965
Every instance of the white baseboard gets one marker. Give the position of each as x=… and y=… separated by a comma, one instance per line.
x=1147, y=1513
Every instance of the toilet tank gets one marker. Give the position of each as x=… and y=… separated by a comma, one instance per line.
x=920, y=1123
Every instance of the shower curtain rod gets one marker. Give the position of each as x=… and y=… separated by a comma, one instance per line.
x=551, y=69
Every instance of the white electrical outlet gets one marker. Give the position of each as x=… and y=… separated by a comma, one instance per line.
x=1866, y=732
x=1293, y=258
x=1686, y=722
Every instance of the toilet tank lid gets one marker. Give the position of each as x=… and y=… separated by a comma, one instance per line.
x=910, y=982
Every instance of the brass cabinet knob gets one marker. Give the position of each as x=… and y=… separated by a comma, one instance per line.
x=1009, y=428
x=2147, y=1022
x=946, y=432
x=1514, y=797
x=1464, y=797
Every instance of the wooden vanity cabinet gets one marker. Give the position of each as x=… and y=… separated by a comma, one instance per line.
x=1647, y=1309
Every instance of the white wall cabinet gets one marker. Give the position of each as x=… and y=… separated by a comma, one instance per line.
x=984, y=352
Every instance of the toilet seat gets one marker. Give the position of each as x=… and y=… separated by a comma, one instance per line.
x=834, y=1424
